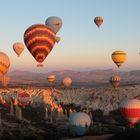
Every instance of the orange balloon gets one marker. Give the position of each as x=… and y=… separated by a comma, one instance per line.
x=4, y=63
x=40, y=40
x=18, y=48
x=67, y=81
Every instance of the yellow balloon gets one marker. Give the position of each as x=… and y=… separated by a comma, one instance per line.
x=57, y=39
x=119, y=57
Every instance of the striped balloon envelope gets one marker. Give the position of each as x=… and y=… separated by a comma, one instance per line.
x=115, y=81
x=39, y=40
x=119, y=57
x=130, y=109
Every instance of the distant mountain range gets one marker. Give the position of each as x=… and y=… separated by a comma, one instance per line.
x=92, y=77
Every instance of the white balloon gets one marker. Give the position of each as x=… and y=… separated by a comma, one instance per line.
x=54, y=22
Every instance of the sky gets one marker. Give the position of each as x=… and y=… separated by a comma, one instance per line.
x=83, y=46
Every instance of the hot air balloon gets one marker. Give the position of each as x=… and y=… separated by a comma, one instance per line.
x=18, y=48
x=57, y=39
x=4, y=63
x=130, y=109
x=51, y=79
x=54, y=22
x=119, y=57
x=79, y=122
x=3, y=102
x=39, y=39
x=5, y=80
x=115, y=81
x=67, y=81
x=23, y=98
x=98, y=21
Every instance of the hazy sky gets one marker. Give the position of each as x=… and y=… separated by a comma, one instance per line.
x=83, y=45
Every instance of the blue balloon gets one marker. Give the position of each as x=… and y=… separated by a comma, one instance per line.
x=79, y=123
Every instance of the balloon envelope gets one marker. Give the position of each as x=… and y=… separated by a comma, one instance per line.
x=67, y=81
x=5, y=80
x=18, y=48
x=98, y=21
x=23, y=97
x=57, y=39
x=119, y=57
x=115, y=81
x=4, y=63
x=40, y=40
x=51, y=78
x=54, y=22
x=79, y=122
x=130, y=109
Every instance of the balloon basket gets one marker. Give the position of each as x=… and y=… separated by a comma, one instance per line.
x=39, y=65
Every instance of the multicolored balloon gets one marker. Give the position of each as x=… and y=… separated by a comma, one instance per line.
x=54, y=22
x=130, y=109
x=4, y=63
x=18, y=48
x=115, y=81
x=98, y=21
x=119, y=57
x=40, y=40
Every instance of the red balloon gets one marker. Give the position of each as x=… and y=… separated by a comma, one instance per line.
x=23, y=98
x=130, y=109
